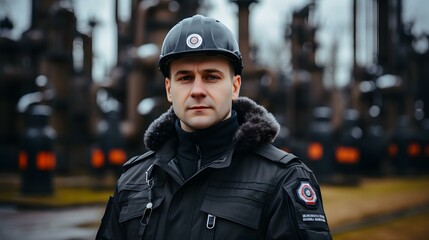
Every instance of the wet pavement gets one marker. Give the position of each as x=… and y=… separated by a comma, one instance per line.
x=79, y=223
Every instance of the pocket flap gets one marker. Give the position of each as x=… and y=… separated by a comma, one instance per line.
x=132, y=187
x=239, y=210
x=135, y=208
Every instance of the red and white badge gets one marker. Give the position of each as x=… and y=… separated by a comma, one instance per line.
x=306, y=194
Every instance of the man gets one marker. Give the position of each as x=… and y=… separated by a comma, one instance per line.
x=211, y=172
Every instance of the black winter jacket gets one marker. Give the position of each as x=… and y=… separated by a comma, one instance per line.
x=254, y=191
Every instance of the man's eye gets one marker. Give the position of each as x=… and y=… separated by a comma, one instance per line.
x=184, y=78
x=213, y=77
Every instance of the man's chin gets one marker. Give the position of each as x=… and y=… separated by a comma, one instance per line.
x=199, y=123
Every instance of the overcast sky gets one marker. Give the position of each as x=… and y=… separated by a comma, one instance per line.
x=268, y=20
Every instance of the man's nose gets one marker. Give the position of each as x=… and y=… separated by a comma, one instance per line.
x=198, y=88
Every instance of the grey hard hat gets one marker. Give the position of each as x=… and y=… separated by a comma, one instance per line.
x=199, y=34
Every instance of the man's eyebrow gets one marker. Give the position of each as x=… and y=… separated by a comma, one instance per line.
x=209, y=70
x=182, y=72
x=213, y=70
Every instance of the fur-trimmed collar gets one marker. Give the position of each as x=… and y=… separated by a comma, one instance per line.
x=257, y=126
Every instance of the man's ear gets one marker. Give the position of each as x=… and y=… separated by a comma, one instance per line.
x=168, y=89
x=236, y=84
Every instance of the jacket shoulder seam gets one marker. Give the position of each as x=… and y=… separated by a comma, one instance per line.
x=274, y=154
x=137, y=159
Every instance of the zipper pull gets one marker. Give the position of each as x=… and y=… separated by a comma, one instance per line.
x=148, y=210
x=146, y=214
x=145, y=219
x=211, y=221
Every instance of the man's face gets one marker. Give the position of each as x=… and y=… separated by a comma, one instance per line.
x=201, y=89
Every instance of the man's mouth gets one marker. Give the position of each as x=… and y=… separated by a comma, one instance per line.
x=198, y=107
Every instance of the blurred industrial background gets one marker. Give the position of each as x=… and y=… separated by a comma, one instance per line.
x=355, y=110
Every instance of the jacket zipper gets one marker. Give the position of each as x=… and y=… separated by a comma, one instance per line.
x=199, y=157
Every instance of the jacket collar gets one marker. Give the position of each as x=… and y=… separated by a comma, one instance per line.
x=257, y=126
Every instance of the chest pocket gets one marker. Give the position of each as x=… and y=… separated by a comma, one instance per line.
x=238, y=210
x=233, y=210
x=135, y=208
x=133, y=201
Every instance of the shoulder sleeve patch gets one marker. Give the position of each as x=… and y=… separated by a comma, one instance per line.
x=275, y=154
x=137, y=159
x=306, y=206
x=306, y=195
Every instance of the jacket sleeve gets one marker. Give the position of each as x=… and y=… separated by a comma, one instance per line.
x=110, y=227
x=297, y=208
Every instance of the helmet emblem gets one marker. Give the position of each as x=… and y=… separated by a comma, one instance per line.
x=194, y=40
